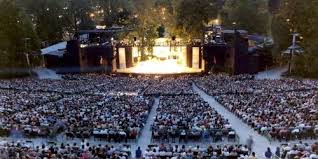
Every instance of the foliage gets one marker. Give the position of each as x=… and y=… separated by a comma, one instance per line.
x=250, y=15
x=192, y=17
x=144, y=24
x=300, y=17
x=116, y=12
x=54, y=19
x=15, y=27
x=45, y=17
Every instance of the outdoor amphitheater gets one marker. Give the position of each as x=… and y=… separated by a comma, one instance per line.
x=172, y=116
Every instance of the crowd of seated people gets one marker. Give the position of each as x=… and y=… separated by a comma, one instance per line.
x=187, y=117
x=83, y=106
x=207, y=152
x=64, y=151
x=170, y=86
x=82, y=116
x=118, y=84
x=287, y=116
x=224, y=84
x=60, y=86
x=283, y=109
x=300, y=150
x=12, y=100
x=91, y=83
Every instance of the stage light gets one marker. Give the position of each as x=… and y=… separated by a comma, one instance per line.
x=217, y=21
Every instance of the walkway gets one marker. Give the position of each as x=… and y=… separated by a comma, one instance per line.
x=145, y=138
x=272, y=73
x=242, y=129
x=44, y=73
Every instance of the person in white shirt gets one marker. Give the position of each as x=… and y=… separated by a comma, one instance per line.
x=314, y=156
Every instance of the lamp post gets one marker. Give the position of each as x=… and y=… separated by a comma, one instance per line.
x=26, y=40
x=292, y=51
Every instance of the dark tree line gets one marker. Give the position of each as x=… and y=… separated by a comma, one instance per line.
x=52, y=21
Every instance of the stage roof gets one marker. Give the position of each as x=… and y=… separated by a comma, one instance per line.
x=55, y=50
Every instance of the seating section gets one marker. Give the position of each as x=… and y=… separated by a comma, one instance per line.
x=63, y=151
x=207, y=152
x=188, y=117
x=283, y=109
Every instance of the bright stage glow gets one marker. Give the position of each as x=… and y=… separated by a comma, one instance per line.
x=159, y=67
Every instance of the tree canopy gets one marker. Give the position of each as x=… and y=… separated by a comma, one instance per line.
x=52, y=21
x=17, y=35
x=250, y=15
x=300, y=17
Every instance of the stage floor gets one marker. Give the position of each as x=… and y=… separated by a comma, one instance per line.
x=159, y=67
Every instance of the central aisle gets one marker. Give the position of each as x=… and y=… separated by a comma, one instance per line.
x=242, y=129
x=145, y=137
x=275, y=73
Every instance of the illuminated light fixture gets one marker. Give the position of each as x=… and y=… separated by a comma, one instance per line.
x=92, y=15
x=83, y=45
x=100, y=26
x=217, y=21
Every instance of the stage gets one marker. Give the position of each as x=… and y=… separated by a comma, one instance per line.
x=156, y=67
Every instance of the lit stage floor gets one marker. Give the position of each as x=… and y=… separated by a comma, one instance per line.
x=159, y=67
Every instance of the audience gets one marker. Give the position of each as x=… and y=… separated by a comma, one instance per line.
x=188, y=117
x=209, y=152
x=63, y=151
x=116, y=108
x=283, y=109
x=286, y=116
x=170, y=86
x=39, y=111
x=224, y=84
x=300, y=150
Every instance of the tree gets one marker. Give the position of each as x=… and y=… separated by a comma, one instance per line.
x=46, y=17
x=115, y=12
x=192, y=16
x=144, y=24
x=300, y=17
x=56, y=19
x=78, y=13
x=15, y=27
x=251, y=15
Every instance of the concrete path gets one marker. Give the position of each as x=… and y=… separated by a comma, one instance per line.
x=145, y=138
x=242, y=129
x=272, y=73
x=44, y=73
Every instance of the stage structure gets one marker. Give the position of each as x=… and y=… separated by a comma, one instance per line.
x=167, y=56
x=102, y=51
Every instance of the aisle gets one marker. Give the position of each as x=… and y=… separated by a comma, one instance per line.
x=145, y=137
x=242, y=129
x=275, y=73
x=44, y=73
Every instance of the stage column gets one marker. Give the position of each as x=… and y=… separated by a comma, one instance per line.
x=196, y=57
x=122, y=58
